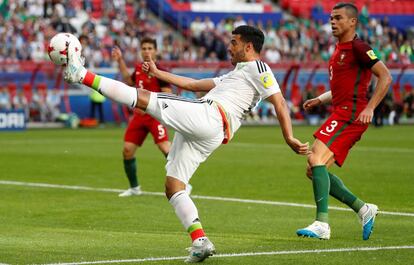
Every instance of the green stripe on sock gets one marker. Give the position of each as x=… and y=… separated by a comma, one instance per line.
x=357, y=205
x=96, y=82
x=194, y=227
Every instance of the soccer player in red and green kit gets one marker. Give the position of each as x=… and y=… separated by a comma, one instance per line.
x=350, y=69
x=141, y=123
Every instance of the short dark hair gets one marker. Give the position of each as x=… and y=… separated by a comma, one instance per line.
x=150, y=41
x=351, y=9
x=250, y=34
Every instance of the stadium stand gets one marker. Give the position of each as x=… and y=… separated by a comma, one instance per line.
x=192, y=38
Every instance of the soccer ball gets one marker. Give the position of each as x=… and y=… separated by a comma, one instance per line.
x=57, y=49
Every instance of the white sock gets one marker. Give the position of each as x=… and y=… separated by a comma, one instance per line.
x=118, y=91
x=185, y=208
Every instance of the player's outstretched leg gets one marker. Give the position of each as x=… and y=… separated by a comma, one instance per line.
x=75, y=72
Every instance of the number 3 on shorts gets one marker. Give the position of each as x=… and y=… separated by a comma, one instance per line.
x=161, y=131
x=330, y=128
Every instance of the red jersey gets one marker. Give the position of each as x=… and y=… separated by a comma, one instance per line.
x=350, y=75
x=144, y=81
x=141, y=123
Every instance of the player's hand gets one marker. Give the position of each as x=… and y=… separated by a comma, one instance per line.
x=365, y=117
x=149, y=67
x=116, y=54
x=311, y=103
x=297, y=146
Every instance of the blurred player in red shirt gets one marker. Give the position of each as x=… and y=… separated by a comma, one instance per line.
x=350, y=69
x=141, y=123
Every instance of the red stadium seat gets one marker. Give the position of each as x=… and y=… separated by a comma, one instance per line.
x=27, y=90
x=408, y=87
x=397, y=93
x=41, y=87
x=295, y=95
x=320, y=89
x=12, y=87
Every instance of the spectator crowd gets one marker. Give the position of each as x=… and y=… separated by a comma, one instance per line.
x=27, y=25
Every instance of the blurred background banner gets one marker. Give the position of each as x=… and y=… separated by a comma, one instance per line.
x=12, y=120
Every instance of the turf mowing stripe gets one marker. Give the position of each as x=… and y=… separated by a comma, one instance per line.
x=245, y=254
x=213, y=198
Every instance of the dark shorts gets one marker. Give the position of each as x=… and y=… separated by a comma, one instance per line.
x=339, y=135
x=139, y=127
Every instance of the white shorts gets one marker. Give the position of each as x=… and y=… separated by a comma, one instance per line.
x=199, y=131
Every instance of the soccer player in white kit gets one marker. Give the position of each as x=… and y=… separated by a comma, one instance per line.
x=203, y=124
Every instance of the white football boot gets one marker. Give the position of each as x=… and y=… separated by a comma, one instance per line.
x=131, y=192
x=367, y=215
x=201, y=249
x=317, y=229
x=74, y=70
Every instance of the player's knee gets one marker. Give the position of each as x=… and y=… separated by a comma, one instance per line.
x=169, y=189
x=128, y=152
x=314, y=160
x=143, y=98
x=172, y=186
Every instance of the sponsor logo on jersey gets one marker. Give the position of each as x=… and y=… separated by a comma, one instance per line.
x=267, y=80
x=372, y=55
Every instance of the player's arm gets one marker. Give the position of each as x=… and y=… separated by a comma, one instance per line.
x=384, y=81
x=185, y=83
x=283, y=116
x=117, y=56
x=321, y=99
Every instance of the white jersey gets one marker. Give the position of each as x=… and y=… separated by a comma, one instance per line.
x=241, y=89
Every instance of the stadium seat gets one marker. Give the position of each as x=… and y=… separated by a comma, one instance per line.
x=12, y=87
x=320, y=89
x=408, y=88
x=397, y=93
x=41, y=86
x=27, y=90
x=295, y=95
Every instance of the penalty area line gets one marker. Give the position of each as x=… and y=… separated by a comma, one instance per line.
x=201, y=197
x=245, y=254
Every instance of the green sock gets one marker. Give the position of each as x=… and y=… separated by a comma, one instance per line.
x=130, y=167
x=320, y=181
x=340, y=192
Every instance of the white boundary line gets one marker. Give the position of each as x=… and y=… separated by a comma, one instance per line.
x=246, y=254
x=213, y=198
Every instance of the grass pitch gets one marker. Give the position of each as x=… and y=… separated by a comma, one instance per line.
x=44, y=225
